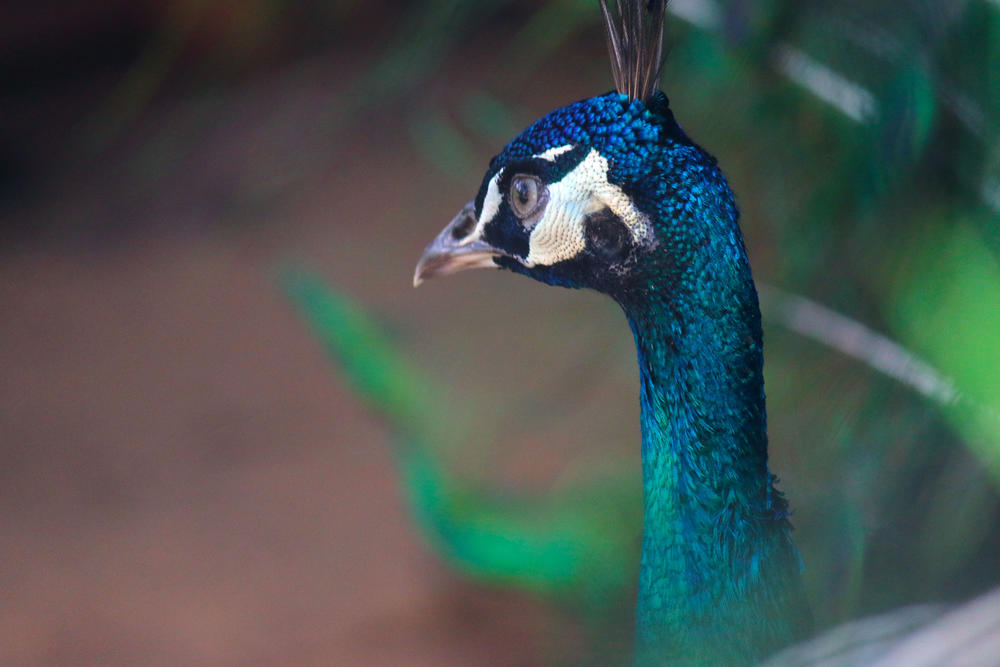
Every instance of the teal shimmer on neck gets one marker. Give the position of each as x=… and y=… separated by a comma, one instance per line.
x=719, y=579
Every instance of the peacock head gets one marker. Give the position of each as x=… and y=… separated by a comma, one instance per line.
x=607, y=193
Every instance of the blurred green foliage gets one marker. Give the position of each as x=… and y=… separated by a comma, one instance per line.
x=576, y=543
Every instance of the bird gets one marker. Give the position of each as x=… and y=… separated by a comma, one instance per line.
x=611, y=194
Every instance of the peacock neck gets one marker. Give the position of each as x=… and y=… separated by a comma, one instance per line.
x=718, y=566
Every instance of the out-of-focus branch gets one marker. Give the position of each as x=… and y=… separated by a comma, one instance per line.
x=850, y=337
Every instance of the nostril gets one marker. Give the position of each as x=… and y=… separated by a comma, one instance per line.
x=463, y=227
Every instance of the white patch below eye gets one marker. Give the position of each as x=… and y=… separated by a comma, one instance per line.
x=559, y=235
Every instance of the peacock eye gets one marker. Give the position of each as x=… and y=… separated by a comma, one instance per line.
x=525, y=193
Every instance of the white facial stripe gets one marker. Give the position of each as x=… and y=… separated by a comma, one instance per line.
x=559, y=235
x=491, y=204
x=552, y=153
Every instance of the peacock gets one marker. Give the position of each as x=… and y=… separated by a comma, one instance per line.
x=610, y=193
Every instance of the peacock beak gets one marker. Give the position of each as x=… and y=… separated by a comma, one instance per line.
x=457, y=248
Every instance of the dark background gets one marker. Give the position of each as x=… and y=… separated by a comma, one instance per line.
x=184, y=479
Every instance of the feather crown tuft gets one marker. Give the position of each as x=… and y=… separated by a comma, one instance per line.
x=635, y=43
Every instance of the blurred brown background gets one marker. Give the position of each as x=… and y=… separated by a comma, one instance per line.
x=184, y=481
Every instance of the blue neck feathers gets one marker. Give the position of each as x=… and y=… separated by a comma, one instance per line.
x=719, y=581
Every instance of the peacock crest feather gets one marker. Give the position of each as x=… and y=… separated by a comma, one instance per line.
x=634, y=33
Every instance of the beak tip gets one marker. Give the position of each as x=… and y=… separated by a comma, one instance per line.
x=420, y=273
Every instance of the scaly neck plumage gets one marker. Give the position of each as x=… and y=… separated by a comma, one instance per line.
x=719, y=574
